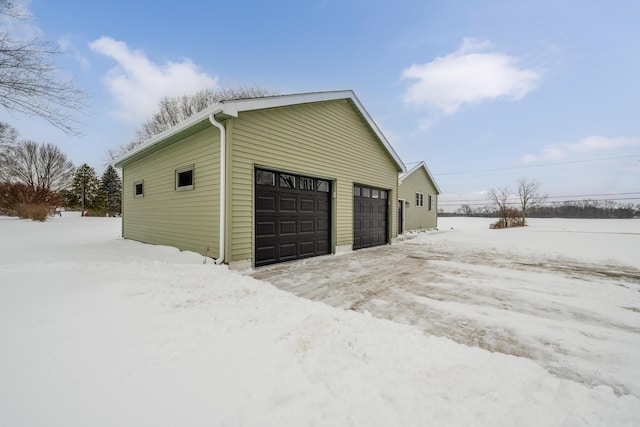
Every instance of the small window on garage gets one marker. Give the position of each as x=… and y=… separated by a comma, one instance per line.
x=383, y=194
x=322, y=185
x=419, y=199
x=306, y=184
x=430, y=202
x=184, y=178
x=265, y=178
x=138, y=189
x=356, y=191
x=287, y=181
x=375, y=194
x=366, y=192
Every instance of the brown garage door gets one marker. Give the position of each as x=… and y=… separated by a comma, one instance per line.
x=369, y=216
x=292, y=217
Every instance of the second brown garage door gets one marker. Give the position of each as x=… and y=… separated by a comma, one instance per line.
x=292, y=217
x=369, y=216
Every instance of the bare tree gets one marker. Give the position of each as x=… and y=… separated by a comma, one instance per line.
x=29, y=82
x=500, y=199
x=465, y=210
x=530, y=196
x=173, y=110
x=42, y=167
x=8, y=138
x=8, y=135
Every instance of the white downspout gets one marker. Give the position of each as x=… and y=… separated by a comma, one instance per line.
x=223, y=182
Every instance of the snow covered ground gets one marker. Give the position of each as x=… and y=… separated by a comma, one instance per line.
x=562, y=293
x=100, y=331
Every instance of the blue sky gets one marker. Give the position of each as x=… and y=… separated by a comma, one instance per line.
x=484, y=92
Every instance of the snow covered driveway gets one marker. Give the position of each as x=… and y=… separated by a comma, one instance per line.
x=100, y=331
x=562, y=293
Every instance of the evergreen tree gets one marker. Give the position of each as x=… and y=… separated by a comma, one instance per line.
x=86, y=187
x=112, y=191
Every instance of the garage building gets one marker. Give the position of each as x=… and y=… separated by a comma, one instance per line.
x=258, y=181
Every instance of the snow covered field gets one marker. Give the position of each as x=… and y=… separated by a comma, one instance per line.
x=96, y=330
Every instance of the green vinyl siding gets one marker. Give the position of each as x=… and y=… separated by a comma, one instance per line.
x=326, y=140
x=419, y=217
x=186, y=219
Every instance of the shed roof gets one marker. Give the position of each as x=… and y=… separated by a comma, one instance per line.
x=421, y=165
x=231, y=108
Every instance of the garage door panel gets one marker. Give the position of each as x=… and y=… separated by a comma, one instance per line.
x=322, y=226
x=323, y=246
x=306, y=226
x=322, y=204
x=299, y=226
x=287, y=228
x=288, y=251
x=266, y=203
x=266, y=229
x=266, y=254
x=307, y=205
x=287, y=204
x=307, y=248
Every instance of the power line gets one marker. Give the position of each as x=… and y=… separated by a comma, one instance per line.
x=555, y=197
x=537, y=172
x=594, y=195
x=535, y=166
x=489, y=202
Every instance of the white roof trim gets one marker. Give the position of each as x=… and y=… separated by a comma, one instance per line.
x=422, y=164
x=233, y=107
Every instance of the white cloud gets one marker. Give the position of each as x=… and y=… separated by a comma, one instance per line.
x=586, y=145
x=602, y=143
x=469, y=75
x=138, y=84
x=66, y=45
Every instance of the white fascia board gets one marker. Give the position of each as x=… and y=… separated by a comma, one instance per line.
x=236, y=106
x=183, y=125
x=378, y=132
x=422, y=164
x=250, y=104
x=233, y=107
x=410, y=171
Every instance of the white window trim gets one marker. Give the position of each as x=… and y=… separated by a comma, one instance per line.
x=430, y=201
x=419, y=199
x=193, y=178
x=135, y=186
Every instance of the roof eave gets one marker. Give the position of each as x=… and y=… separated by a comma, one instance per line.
x=417, y=167
x=182, y=126
x=231, y=108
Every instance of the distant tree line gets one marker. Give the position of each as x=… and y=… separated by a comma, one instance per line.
x=565, y=209
x=512, y=209
x=37, y=178
x=587, y=209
